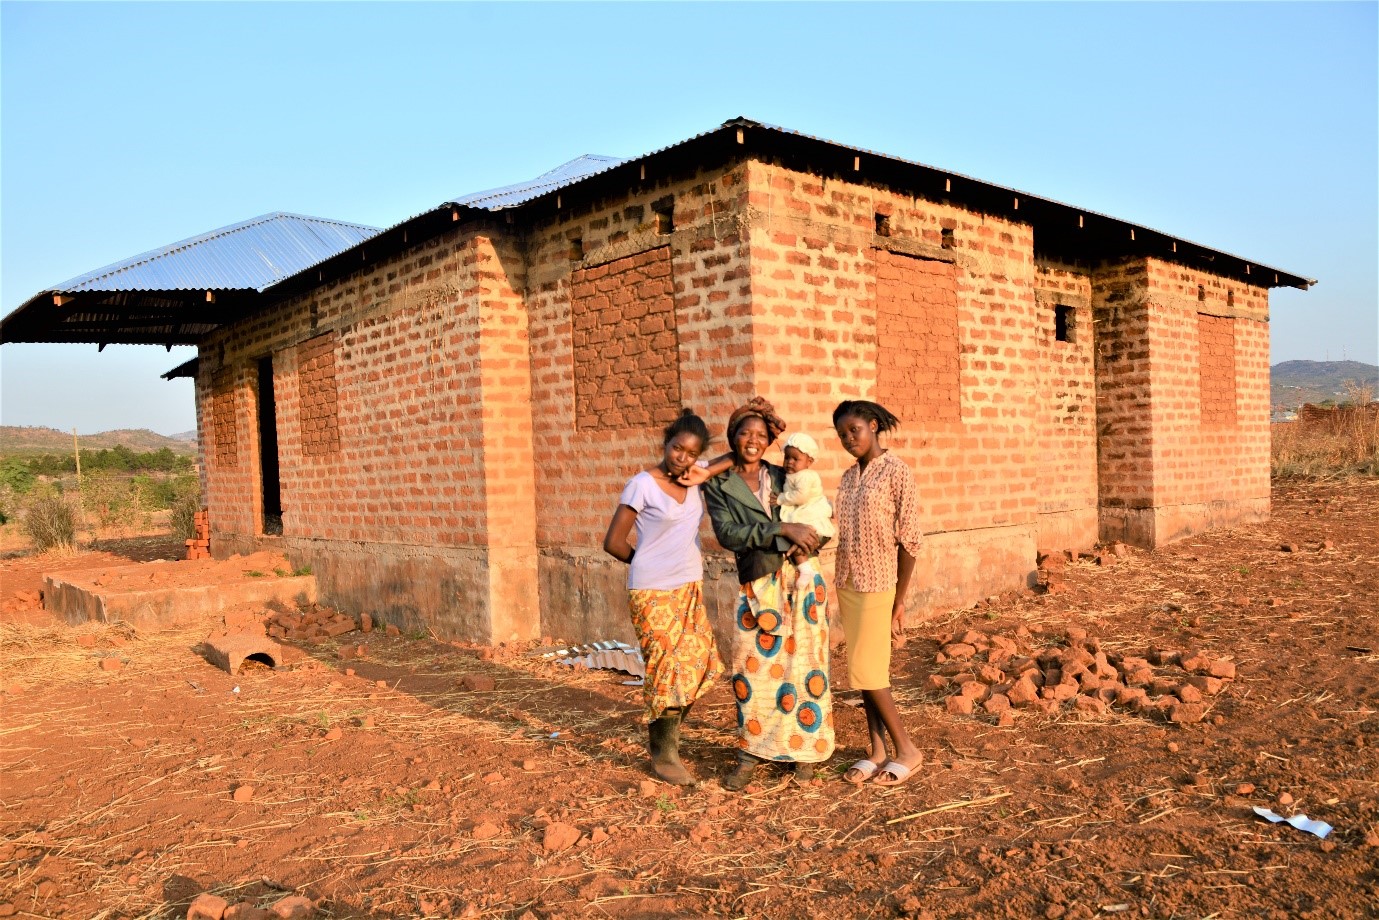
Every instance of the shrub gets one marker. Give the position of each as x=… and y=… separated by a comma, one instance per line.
x=113, y=500
x=50, y=522
x=184, y=509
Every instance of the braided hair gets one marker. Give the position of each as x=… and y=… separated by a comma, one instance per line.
x=868, y=411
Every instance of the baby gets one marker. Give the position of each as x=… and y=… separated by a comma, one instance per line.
x=803, y=500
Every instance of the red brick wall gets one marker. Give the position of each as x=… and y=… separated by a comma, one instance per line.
x=474, y=470
x=917, y=337
x=1182, y=469
x=817, y=300
x=223, y=420
x=626, y=354
x=1216, y=345
x=318, y=406
x=1212, y=474
x=1066, y=429
x=706, y=334
x=1125, y=433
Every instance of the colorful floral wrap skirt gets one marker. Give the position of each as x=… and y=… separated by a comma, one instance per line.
x=677, y=643
x=780, y=668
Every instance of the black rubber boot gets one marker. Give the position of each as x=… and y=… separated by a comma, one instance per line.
x=665, y=750
x=742, y=774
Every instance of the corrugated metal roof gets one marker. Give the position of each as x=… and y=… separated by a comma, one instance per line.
x=508, y=196
x=254, y=254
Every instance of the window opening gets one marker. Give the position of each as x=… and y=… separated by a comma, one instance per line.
x=268, y=450
x=1063, y=323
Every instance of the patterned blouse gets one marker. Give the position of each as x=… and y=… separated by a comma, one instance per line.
x=877, y=510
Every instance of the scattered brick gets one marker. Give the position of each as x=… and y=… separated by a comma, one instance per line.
x=1089, y=704
x=1208, y=685
x=1185, y=713
x=111, y=664
x=243, y=793
x=292, y=907
x=559, y=836
x=1222, y=669
x=485, y=830
x=207, y=907
x=959, y=705
x=477, y=683
x=997, y=702
x=1072, y=671
x=86, y=641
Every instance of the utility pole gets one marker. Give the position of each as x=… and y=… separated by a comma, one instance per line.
x=76, y=453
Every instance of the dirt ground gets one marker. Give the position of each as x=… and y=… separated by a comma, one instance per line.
x=431, y=780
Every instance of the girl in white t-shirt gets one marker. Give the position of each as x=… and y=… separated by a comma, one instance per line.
x=665, y=585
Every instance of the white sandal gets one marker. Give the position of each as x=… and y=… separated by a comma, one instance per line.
x=867, y=768
x=898, y=770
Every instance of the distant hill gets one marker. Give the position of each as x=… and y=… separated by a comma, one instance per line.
x=1293, y=383
x=184, y=435
x=30, y=440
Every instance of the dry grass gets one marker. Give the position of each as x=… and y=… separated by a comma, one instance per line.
x=1348, y=448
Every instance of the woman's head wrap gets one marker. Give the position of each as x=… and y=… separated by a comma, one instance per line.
x=756, y=407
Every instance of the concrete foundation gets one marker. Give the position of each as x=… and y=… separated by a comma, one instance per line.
x=1153, y=527
x=76, y=600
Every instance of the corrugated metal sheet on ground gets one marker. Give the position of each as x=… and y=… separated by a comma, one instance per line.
x=255, y=254
x=604, y=655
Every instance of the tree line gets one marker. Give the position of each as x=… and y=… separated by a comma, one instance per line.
x=117, y=459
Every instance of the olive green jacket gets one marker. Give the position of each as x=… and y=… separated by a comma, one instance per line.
x=743, y=526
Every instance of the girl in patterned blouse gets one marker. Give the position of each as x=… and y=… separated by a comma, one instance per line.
x=878, y=538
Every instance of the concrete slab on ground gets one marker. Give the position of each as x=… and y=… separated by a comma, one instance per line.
x=75, y=599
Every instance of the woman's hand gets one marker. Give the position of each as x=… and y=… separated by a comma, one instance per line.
x=703, y=471
x=802, y=535
x=898, y=624
x=695, y=475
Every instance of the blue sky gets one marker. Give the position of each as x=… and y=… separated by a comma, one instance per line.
x=1250, y=128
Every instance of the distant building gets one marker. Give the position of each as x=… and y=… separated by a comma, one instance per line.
x=438, y=417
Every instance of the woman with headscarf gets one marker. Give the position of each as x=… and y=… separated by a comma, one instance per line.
x=780, y=641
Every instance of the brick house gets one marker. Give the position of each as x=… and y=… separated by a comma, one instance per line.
x=438, y=417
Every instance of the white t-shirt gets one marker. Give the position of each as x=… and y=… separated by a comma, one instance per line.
x=667, y=553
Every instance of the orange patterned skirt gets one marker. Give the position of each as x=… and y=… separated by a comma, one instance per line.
x=780, y=669
x=677, y=644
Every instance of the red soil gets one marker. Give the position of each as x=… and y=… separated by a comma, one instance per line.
x=417, y=778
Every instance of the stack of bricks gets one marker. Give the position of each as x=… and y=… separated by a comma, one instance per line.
x=315, y=624
x=199, y=546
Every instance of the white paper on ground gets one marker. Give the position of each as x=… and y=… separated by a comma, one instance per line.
x=1301, y=822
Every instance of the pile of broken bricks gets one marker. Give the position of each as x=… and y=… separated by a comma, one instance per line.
x=314, y=623
x=254, y=633
x=995, y=674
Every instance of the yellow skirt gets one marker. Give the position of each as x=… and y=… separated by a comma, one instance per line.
x=866, y=620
